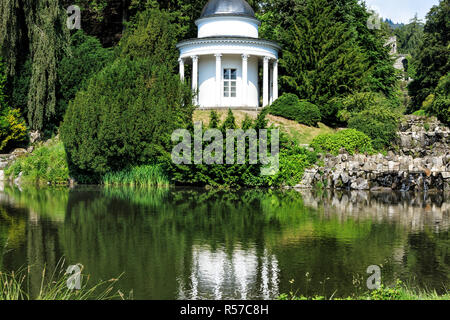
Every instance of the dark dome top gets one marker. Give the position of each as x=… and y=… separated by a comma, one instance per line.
x=227, y=7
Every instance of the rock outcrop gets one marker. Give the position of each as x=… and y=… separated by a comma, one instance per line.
x=419, y=161
x=421, y=137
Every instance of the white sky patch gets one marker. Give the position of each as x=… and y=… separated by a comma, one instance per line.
x=401, y=11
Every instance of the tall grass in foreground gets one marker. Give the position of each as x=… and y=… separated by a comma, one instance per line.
x=16, y=286
x=141, y=176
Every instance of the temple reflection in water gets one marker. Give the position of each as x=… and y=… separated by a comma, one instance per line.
x=240, y=274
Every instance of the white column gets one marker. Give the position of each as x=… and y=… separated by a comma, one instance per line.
x=266, y=82
x=275, y=80
x=195, y=77
x=270, y=84
x=245, y=80
x=218, y=79
x=181, y=61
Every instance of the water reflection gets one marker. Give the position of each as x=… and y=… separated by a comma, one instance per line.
x=192, y=244
x=241, y=274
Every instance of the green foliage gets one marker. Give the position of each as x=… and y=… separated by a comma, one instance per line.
x=353, y=141
x=214, y=123
x=441, y=102
x=384, y=293
x=13, y=131
x=87, y=57
x=47, y=164
x=355, y=103
x=152, y=35
x=292, y=161
x=328, y=51
x=141, y=176
x=379, y=123
x=124, y=117
x=420, y=113
x=20, y=88
x=229, y=122
x=290, y=107
x=433, y=55
x=410, y=36
x=221, y=175
x=48, y=42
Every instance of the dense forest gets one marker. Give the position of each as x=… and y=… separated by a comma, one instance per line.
x=111, y=89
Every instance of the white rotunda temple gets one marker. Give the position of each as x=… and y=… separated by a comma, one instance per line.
x=226, y=58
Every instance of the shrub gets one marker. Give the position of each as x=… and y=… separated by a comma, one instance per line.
x=125, y=117
x=379, y=123
x=420, y=113
x=293, y=163
x=353, y=141
x=46, y=164
x=13, y=132
x=290, y=107
x=220, y=175
x=441, y=103
x=87, y=57
x=355, y=103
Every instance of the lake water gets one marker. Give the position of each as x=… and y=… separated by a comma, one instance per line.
x=196, y=244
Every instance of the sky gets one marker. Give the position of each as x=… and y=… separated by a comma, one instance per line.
x=401, y=10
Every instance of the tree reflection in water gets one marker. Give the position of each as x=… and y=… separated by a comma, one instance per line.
x=187, y=243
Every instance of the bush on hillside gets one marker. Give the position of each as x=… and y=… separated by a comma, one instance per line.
x=379, y=123
x=441, y=103
x=46, y=164
x=289, y=106
x=125, y=117
x=87, y=57
x=353, y=141
x=13, y=131
x=355, y=103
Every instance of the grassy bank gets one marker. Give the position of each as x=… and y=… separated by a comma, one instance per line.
x=47, y=164
x=300, y=133
x=399, y=291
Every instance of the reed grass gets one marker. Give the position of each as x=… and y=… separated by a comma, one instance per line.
x=16, y=286
x=140, y=176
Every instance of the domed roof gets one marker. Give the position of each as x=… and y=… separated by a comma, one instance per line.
x=227, y=7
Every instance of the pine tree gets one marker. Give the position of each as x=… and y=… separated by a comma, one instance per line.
x=433, y=58
x=323, y=59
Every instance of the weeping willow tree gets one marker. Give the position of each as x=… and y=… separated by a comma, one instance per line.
x=11, y=34
x=35, y=30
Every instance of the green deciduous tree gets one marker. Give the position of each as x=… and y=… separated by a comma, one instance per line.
x=35, y=30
